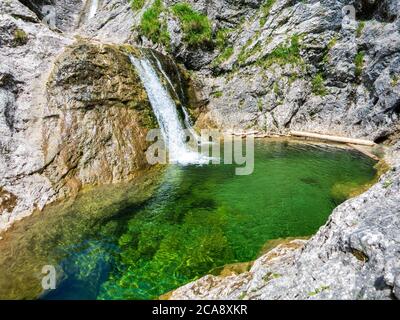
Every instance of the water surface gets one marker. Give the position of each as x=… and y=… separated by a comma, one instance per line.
x=144, y=239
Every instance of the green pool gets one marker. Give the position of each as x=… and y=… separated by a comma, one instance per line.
x=141, y=240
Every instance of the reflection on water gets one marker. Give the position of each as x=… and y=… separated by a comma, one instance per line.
x=140, y=240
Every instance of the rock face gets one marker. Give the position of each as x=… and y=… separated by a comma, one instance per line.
x=278, y=65
x=73, y=113
x=66, y=120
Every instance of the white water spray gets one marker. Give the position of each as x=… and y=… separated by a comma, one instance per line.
x=165, y=111
x=186, y=119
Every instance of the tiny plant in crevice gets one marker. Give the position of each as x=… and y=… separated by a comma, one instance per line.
x=318, y=87
x=328, y=48
x=395, y=80
x=195, y=25
x=360, y=28
x=20, y=37
x=221, y=38
x=318, y=290
x=265, y=9
x=260, y=105
x=359, y=63
x=152, y=26
x=217, y=94
x=137, y=4
x=224, y=55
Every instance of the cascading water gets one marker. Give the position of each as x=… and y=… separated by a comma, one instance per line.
x=186, y=119
x=165, y=111
x=93, y=8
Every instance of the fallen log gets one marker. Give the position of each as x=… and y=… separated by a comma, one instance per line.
x=332, y=138
x=365, y=152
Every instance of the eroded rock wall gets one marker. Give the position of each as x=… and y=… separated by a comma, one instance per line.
x=72, y=113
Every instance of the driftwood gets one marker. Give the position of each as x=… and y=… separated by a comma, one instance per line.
x=332, y=138
x=365, y=152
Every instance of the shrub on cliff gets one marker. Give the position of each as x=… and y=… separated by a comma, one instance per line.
x=196, y=26
x=152, y=26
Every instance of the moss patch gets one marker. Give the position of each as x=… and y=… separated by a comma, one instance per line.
x=20, y=37
x=318, y=87
x=359, y=63
x=225, y=55
x=360, y=28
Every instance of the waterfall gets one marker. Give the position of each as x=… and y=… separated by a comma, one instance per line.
x=186, y=119
x=93, y=8
x=166, y=113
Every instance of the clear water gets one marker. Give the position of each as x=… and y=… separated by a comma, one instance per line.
x=117, y=244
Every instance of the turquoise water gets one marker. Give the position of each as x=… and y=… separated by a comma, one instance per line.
x=203, y=217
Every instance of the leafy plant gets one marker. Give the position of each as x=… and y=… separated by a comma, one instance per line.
x=20, y=37
x=319, y=290
x=152, y=27
x=221, y=38
x=196, y=26
x=359, y=63
x=217, y=94
x=137, y=4
x=395, y=80
x=360, y=28
x=318, y=86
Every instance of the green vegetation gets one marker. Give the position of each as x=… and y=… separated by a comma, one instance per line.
x=245, y=54
x=318, y=87
x=395, y=80
x=217, y=94
x=270, y=276
x=152, y=27
x=225, y=55
x=329, y=46
x=137, y=4
x=265, y=9
x=387, y=183
x=276, y=88
x=359, y=63
x=260, y=105
x=284, y=54
x=331, y=43
x=319, y=290
x=221, y=40
x=196, y=26
x=360, y=28
x=20, y=37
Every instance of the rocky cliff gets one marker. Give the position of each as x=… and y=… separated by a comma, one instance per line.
x=73, y=112
x=320, y=66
